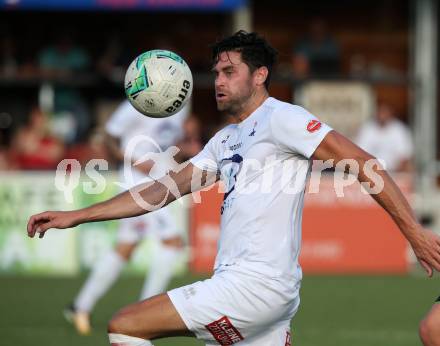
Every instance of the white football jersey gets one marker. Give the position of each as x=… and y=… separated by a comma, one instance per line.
x=141, y=135
x=264, y=163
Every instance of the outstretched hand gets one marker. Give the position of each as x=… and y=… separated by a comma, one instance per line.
x=427, y=250
x=40, y=223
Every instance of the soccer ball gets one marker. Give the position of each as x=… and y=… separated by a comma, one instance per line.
x=158, y=83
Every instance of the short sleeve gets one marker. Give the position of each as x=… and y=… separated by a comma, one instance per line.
x=297, y=131
x=122, y=119
x=207, y=158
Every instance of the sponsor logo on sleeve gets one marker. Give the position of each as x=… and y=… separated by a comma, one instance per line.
x=313, y=125
x=224, y=332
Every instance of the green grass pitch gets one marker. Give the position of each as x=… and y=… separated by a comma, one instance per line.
x=334, y=311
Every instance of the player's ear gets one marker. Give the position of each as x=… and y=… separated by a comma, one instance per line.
x=260, y=75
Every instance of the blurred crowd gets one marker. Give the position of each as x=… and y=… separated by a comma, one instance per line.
x=60, y=122
x=34, y=146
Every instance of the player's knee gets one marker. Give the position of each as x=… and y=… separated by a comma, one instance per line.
x=124, y=323
x=429, y=331
x=174, y=242
x=119, y=324
x=114, y=326
x=125, y=250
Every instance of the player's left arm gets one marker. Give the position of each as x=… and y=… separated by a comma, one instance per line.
x=425, y=243
x=139, y=200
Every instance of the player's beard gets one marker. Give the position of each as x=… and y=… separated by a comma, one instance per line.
x=236, y=103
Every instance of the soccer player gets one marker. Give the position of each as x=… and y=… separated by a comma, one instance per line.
x=387, y=138
x=124, y=125
x=254, y=291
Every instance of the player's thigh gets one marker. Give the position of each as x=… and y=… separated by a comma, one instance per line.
x=433, y=316
x=152, y=318
x=232, y=307
x=125, y=250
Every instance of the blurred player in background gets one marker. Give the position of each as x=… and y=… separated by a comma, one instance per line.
x=254, y=291
x=125, y=125
x=388, y=139
x=34, y=146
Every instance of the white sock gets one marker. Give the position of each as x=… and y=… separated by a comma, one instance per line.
x=161, y=270
x=125, y=340
x=104, y=274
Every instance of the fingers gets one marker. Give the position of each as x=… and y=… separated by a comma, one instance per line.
x=427, y=268
x=430, y=264
x=42, y=228
x=434, y=252
x=30, y=226
x=39, y=223
x=435, y=238
x=431, y=257
x=436, y=261
x=428, y=252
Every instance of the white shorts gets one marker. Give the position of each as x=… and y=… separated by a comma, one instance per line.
x=159, y=223
x=238, y=308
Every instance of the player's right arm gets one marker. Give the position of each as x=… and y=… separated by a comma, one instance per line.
x=131, y=203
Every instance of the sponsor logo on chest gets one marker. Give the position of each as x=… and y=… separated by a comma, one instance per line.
x=235, y=146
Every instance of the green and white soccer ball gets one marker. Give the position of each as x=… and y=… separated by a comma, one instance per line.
x=158, y=83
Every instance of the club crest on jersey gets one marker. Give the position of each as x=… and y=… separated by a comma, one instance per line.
x=225, y=140
x=313, y=125
x=253, y=130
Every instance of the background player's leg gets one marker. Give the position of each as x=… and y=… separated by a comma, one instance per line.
x=162, y=266
x=149, y=319
x=104, y=274
x=429, y=330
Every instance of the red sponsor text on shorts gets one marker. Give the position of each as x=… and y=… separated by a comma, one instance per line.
x=224, y=332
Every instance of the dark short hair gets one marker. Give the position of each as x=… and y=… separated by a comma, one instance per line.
x=255, y=51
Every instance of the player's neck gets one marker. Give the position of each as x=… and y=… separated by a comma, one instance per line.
x=251, y=105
